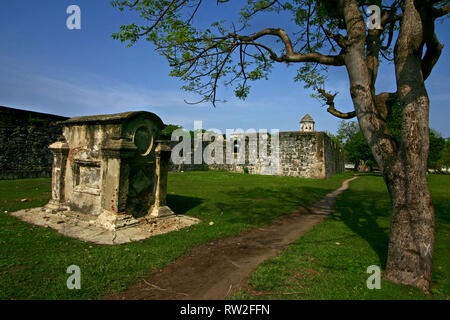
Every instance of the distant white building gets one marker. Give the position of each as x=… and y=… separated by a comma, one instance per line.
x=307, y=124
x=305, y=153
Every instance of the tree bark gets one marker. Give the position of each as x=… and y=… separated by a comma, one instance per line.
x=411, y=241
x=403, y=163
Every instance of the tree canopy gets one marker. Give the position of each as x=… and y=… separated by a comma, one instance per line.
x=232, y=52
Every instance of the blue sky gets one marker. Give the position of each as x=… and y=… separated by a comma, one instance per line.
x=47, y=68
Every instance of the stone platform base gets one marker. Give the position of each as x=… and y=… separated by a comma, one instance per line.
x=86, y=227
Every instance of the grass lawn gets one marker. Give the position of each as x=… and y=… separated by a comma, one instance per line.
x=34, y=260
x=330, y=261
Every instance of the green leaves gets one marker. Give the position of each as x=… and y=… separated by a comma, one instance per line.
x=204, y=58
x=312, y=75
x=242, y=91
x=219, y=52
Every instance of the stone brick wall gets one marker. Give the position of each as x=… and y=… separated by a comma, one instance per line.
x=334, y=158
x=24, y=140
x=301, y=154
x=26, y=135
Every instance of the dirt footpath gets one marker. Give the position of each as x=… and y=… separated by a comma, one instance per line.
x=218, y=269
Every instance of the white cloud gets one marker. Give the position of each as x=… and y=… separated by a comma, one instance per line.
x=104, y=95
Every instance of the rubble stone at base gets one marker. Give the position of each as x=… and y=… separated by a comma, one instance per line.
x=81, y=226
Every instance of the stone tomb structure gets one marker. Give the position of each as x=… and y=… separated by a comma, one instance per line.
x=112, y=167
x=110, y=172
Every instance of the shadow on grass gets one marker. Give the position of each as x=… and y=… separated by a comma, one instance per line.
x=257, y=206
x=369, y=174
x=368, y=215
x=441, y=209
x=182, y=204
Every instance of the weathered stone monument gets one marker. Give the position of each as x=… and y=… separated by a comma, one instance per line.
x=112, y=167
x=109, y=180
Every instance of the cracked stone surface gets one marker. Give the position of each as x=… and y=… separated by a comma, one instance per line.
x=83, y=227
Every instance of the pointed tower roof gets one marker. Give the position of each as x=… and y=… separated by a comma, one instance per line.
x=307, y=118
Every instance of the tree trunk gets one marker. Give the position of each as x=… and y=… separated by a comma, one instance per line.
x=404, y=162
x=411, y=240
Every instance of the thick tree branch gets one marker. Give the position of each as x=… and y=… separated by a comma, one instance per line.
x=290, y=55
x=440, y=12
x=338, y=38
x=434, y=47
x=329, y=100
x=391, y=15
x=431, y=57
x=384, y=102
